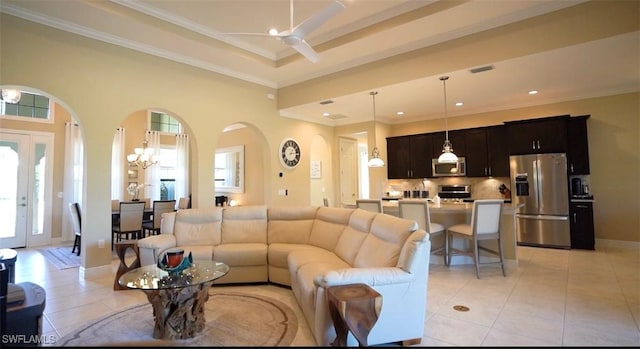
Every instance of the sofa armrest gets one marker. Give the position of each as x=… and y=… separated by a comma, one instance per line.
x=369, y=276
x=150, y=247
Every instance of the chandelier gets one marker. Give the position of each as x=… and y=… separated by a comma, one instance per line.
x=11, y=96
x=143, y=157
x=447, y=155
x=375, y=160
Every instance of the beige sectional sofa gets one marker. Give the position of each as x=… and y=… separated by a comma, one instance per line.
x=309, y=249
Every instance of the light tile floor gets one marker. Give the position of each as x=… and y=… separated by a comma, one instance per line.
x=552, y=298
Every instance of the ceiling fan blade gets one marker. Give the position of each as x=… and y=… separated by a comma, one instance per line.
x=307, y=51
x=250, y=34
x=312, y=23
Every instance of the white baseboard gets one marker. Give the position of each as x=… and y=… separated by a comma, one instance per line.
x=95, y=272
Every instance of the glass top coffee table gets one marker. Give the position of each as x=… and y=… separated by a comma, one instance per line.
x=177, y=298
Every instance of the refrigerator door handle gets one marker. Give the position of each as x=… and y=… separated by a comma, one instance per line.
x=542, y=217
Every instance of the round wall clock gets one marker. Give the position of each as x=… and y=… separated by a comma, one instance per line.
x=289, y=153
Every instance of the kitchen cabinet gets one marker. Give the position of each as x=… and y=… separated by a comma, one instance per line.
x=409, y=156
x=486, y=152
x=457, y=139
x=581, y=223
x=578, y=146
x=536, y=136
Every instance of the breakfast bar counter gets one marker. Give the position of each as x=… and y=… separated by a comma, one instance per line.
x=449, y=214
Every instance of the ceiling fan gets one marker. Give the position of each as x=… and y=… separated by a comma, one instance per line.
x=295, y=36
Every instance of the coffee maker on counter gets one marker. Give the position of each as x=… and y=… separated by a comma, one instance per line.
x=579, y=188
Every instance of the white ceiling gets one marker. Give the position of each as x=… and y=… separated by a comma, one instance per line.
x=193, y=32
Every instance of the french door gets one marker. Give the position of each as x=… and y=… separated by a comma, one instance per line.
x=26, y=168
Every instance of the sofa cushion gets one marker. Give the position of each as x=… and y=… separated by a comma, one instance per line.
x=243, y=224
x=329, y=224
x=354, y=234
x=305, y=264
x=278, y=253
x=290, y=224
x=198, y=252
x=382, y=246
x=236, y=255
x=198, y=226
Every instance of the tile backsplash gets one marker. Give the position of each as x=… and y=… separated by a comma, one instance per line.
x=481, y=188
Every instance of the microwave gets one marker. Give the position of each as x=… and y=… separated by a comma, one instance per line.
x=455, y=169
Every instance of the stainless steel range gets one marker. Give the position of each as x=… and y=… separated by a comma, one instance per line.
x=454, y=193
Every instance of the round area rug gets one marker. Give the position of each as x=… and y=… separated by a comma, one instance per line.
x=232, y=319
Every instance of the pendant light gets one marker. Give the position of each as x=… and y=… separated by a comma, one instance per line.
x=375, y=160
x=447, y=155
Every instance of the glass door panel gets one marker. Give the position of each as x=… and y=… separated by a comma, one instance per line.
x=14, y=149
x=25, y=193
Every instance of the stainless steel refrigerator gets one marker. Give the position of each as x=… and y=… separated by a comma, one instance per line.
x=539, y=181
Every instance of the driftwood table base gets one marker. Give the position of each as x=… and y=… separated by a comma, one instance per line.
x=353, y=308
x=178, y=312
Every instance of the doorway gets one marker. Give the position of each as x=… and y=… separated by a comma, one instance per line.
x=25, y=194
x=348, y=171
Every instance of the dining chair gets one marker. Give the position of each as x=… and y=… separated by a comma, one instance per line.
x=115, y=206
x=373, y=205
x=183, y=203
x=74, y=209
x=130, y=222
x=485, y=225
x=159, y=207
x=418, y=210
x=147, y=205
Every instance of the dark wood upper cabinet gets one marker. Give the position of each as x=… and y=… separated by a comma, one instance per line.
x=486, y=152
x=498, y=151
x=477, y=153
x=409, y=156
x=544, y=135
x=578, y=148
x=487, y=149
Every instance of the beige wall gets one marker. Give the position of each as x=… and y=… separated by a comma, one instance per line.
x=102, y=85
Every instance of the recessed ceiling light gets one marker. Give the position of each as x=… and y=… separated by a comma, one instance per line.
x=325, y=114
x=533, y=92
x=459, y=104
x=400, y=113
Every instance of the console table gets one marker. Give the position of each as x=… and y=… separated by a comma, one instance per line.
x=121, y=248
x=355, y=308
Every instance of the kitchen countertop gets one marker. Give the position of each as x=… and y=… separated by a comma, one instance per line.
x=391, y=207
x=449, y=214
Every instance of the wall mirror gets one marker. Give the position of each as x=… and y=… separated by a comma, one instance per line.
x=229, y=169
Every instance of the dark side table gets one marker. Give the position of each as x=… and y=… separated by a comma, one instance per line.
x=121, y=248
x=355, y=308
x=9, y=257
